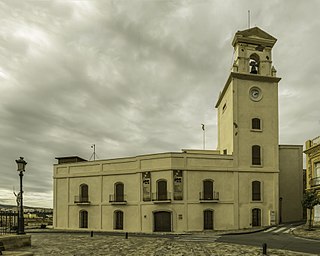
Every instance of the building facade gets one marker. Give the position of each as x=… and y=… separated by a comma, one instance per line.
x=233, y=187
x=313, y=171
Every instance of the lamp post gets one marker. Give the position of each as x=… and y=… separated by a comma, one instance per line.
x=21, y=165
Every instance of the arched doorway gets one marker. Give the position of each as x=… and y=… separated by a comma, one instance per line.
x=256, y=217
x=162, y=221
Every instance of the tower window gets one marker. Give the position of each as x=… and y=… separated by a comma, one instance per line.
x=256, y=155
x=256, y=190
x=224, y=107
x=256, y=124
x=254, y=63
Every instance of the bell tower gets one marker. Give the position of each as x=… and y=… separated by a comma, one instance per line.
x=248, y=105
x=253, y=54
x=248, y=128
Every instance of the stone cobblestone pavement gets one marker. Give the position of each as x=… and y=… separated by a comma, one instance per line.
x=82, y=244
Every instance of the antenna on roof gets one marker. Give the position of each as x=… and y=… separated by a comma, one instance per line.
x=94, y=155
x=248, y=18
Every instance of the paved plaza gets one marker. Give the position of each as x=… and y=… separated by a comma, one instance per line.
x=102, y=244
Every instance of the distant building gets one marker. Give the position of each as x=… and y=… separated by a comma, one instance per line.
x=233, y=187
x=313, y=171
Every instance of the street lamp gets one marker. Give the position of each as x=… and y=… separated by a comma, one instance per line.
x=21, y=165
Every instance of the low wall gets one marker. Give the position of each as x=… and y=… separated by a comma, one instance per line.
x=15, y=241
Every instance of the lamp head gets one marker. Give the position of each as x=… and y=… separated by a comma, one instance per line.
x=21, y=164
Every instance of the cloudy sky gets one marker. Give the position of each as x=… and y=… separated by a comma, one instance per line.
x=136, y=77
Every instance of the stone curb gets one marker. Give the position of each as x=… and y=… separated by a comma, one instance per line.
x=305, y=237
x=13, y=253
x=136, y=234
x=247, y=231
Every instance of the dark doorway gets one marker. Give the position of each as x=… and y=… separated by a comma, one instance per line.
x=84, y=193
x=208, y=189
x=162, y=190
x=83, y=216
x=118, y=220
x=208, y=220
x=119, y=189
x=162, y=221
x=256, y=217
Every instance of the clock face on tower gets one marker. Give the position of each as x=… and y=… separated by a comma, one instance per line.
x=255, y=93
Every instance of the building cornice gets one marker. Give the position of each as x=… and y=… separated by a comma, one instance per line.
x=313, y=149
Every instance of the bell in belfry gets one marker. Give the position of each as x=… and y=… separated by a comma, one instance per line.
x=253, y=65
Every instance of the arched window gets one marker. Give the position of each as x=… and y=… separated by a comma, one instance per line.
x=83, y=219
x=119, y=192
x=256, y=217
x=256, y=124
x=84, y=193
x=208, y=220
x=254, y=63
x=256, y=155
x=118, y=220
x=256, y=190
x=162, y=193
x=207, y=189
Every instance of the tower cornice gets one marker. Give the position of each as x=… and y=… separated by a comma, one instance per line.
x=245, y=76
x=254, y=36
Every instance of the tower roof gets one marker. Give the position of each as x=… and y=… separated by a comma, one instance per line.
x=254, y=36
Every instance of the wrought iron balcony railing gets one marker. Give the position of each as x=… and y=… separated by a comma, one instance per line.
x=81, y=200
x=161, y=197
x=118, y=198
x=212, y=197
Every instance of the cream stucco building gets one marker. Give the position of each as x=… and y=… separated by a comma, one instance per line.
x=313, y=171
x=248, y=181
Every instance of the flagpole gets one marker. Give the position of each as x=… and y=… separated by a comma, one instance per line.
x=204, y=137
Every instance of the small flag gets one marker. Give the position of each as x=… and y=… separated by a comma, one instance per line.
x=202, y=126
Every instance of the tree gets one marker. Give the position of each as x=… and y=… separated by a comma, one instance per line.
x=310, y=199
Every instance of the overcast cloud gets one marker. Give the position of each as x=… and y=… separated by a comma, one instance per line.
x=136, y=77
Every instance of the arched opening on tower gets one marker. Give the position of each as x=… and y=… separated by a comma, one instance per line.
x=254, y=63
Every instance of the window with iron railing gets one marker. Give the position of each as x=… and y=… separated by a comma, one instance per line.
x=83, y=196
x=162, y=192
x=118, y=196
x=208, y=192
